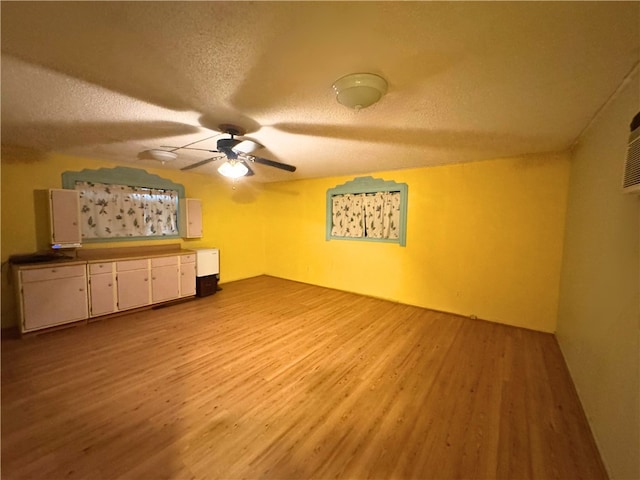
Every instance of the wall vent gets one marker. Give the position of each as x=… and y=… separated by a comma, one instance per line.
x=631, y=181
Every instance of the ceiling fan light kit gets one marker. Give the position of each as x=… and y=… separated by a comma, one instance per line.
x=359, y=90
x=233, y=169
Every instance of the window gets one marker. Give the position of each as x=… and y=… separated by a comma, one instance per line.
x=112, y=211
x=125, y=204
x=368, y=209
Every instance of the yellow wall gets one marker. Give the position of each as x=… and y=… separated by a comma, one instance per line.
x=232, y=217
x=483, y=239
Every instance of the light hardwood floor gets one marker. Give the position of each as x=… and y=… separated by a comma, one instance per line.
x=277, y=379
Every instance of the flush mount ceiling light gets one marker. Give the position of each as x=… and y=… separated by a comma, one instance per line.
x=233, y=169
x=359, y=90
x=162, y=155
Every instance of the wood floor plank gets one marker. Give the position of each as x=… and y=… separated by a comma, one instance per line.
x=276, y=379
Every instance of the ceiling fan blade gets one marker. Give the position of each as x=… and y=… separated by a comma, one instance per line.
x=246, y=146
x=200, y=163
x=272, y=163
x=190, y=148
x=250, y=172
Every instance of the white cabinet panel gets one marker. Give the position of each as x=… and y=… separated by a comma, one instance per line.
x=52, y=273
x=102, y=294
x=187, y=279
x=188, y=258
x=164, y=261
x=165, y=283
x=64, y=210
x=47, y=300
x=95, y=268
x=191, y=218
x=126, y=265
x=133, y=289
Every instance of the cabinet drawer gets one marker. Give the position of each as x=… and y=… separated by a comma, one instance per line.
x=132, y=265
x=52, y=273
x=191, y=258
x=164, y=261
x=96, y=268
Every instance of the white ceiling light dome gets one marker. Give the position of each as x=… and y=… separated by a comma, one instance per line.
x=359, y=90
x=162, y=155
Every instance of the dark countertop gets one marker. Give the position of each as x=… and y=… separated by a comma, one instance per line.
x=40, y=260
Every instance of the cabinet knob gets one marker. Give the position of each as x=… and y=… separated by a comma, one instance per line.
x=110, y=285
x=53, y=270
x=146, y=279
x=81, y=289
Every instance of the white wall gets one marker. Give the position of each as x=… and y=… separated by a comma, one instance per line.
x=599, y=313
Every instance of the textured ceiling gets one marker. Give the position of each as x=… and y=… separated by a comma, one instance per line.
x=467, y=81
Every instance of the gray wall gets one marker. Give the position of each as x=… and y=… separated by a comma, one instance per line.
x=599, y=310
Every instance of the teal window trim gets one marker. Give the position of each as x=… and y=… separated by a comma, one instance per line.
x=370, y=185
x=132, y=177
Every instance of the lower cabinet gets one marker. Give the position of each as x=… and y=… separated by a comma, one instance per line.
x=55, y=295
x=50, y=296
x=165, y=279
x=102, y=289
x=187, y=275
x=125, y=284
x=133, y=284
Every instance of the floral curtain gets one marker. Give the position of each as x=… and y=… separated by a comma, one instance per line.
x=382, y=213
x=109, y=211
x=348, y=215
x=366, y=215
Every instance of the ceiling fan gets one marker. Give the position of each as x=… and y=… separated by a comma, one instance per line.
x=237, y=152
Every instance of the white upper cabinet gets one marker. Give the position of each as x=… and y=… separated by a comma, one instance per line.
x=191, y=218
x=64, y=214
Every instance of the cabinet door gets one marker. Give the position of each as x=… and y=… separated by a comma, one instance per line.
x=133, y=289
x=165, y=283
x=192, y=218
x=102, y=294
x=187, y=279
x=65, y=217
x=54, y=302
